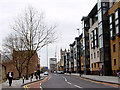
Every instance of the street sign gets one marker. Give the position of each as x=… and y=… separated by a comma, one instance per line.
x=46, y=67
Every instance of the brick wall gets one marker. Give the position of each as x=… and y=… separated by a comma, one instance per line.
x=32, y=66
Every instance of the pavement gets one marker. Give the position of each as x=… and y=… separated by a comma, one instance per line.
x=107, y=79
x=18, y=83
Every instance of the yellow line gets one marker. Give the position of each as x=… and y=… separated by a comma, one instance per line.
x=26, y=86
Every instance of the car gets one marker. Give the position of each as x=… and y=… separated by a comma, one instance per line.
x=45, y=73
x=60, y=72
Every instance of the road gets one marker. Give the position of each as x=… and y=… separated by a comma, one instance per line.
x=69, y=82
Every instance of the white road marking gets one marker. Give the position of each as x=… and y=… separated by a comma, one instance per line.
x=69, y=83
x=65, y=79
x=77, y=86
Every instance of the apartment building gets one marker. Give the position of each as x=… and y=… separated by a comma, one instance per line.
x=79, y=53
x=114, y=28
x=72, y=56
x=86, y=51
x=95, y=62
x=62, y=53
x=67, y=60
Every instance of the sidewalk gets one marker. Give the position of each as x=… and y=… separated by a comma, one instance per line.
x=108, y=79
x=19, y=83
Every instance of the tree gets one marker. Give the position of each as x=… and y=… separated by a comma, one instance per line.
x=14, y=47
x=33, y=33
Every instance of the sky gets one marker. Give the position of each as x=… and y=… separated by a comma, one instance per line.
x=67, y=14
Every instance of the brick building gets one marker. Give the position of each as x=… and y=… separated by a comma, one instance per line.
x=114, y=27
x=33, y=66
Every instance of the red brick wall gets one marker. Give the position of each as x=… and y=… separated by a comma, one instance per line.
x=32, y=66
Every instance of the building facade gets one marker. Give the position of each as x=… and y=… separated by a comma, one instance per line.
x=53, y=63
x=86, y=51
x=114, y=28
x=62, y=54
x=33, y=64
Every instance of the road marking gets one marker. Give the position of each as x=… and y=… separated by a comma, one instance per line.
x=69, y=83
x=77, y=86
x=44, y=81
x=65, y=78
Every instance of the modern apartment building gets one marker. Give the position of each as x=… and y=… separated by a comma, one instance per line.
x=72, y=57
x=62, y=53
x=95, y=62
x=67, y=60
x=79, y=54
x=114, y=28
x=86, y=53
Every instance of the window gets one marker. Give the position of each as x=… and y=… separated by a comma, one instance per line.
x=117, y=29
x=110, y=19
x=114, y=48
x=98, y=64
x=94, y=55
x=116, y=14
x=97, y=53
x=101, y=41
x=117, y=22
x=100, y=15
x=95, y=65
x=100, y=29
x=111, y=26
x=111, y=33
x=92, y=65
x=114, y=61
x=91, y=56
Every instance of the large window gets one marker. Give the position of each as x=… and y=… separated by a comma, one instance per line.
x=101, y=41
x=96, y=36
x=100, y=15
x=116, y=14
x=100, y=29
x=117, y=21
x=111, y=25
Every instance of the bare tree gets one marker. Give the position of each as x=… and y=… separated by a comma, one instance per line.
x=14, y=46
x=34, y=32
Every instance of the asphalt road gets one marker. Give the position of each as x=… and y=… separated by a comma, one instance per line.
x=68, y=82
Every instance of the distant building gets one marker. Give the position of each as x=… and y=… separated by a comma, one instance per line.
x=53, y=62
x=62, y=54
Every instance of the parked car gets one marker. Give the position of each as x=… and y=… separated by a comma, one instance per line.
x=60, y=72
x=45, y=73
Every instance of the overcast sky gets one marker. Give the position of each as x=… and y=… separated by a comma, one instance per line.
x=66, y=13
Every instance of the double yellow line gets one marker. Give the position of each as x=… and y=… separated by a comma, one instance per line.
x=26, y=87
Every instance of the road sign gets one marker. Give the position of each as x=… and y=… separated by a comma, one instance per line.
x=46, y=67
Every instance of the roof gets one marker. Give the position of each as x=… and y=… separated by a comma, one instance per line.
x=93, y=11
